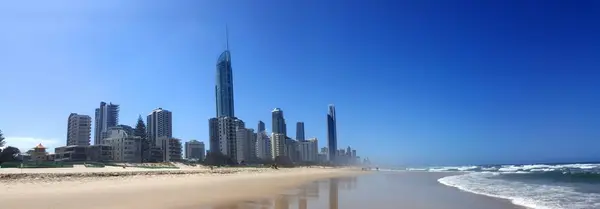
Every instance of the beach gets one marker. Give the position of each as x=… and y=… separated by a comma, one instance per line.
x=72, y=188
x=240, y=188
x=379, y=190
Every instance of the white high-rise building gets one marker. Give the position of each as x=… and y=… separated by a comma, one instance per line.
x=246, y=142
x=227, y=139
x=79, y=130
x=125, y=148
x=195, y=150
x=159, y=124
x=309, y=150
x=278, y=143
x=263, y=146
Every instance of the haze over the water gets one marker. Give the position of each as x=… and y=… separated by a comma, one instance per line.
x=414, y=82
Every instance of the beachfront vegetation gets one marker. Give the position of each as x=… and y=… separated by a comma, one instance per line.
x=8, y=154
x=140, y=131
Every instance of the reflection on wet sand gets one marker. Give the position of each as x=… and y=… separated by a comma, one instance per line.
x=304, y=197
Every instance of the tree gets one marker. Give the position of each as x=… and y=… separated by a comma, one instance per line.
x=9, y=154
x=140, y=131
x=2, y=142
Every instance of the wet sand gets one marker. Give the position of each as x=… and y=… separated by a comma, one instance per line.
x=404, y=190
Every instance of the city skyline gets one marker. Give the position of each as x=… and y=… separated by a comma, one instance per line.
x=509, y=80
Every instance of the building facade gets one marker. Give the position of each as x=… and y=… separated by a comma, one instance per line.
x=279, y=125
x=79, y=129
x=125, y=148
x=263, y=146
x=195, y=150
x=159, y=124
x=227, y=138
x=224, y=86
x=105, y=117
x=171, y=149
x=300, y=131
x=213, y=135
x=278, y=145
x=309, y=150
x=331, y=134
x=246, y=145
x=291, y=149
x=261, y=126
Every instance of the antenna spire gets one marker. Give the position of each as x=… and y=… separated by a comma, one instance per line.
x=227, y=37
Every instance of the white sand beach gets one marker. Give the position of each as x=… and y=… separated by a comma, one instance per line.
x=70, y=188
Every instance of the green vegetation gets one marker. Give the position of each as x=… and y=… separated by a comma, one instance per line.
x=140, y=131
x=37, y=165
x=8, y=154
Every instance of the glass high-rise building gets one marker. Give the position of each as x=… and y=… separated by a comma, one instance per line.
x=224, y=85
x=331, y=134
x=279, y=125
x=105, y=117
x=300, y=131
x=261, y=126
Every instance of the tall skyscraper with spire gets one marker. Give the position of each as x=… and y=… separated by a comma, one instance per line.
x=222, y=128
x=331, y=134
x=224, y=84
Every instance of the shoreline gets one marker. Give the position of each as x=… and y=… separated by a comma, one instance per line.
x=160, y=191
x=388, y=189
x=508, y=201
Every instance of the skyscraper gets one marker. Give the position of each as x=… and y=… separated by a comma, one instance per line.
x=279, y=125
x=246, y=144
x=278, y=145
x=213, y=135
x=331, y=134
x=79, y=130
x=159, y=124
x=106, y=116
x=300, y=131
x=227, y=128
x=224, y=85
x=261, y=126
x=263, y=146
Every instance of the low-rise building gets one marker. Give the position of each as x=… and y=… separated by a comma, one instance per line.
x=195, y=150
x=77, y=153
x=71, y=153
x=38, y=153
x=125, y=148
x=171, y=148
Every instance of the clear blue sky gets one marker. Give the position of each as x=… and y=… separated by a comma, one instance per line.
x=435, y=82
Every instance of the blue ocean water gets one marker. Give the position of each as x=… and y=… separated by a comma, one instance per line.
x=538, y=186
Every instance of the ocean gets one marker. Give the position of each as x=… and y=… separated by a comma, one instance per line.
x=538, y=186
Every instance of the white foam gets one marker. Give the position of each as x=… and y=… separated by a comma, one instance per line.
x=535, y=196
x=517, y=168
